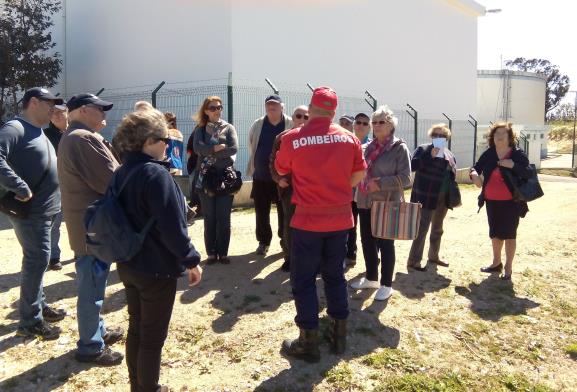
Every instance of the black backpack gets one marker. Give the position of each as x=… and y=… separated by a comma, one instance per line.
x=110, y=236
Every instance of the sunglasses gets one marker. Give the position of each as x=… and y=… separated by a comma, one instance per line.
x=437, y=135
x=166, y=140
x=382, y=122
x=299, y=116
x=365, y=123
x=214, y=108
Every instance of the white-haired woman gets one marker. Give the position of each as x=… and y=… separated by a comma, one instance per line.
x=435, y=169
x=388, y=172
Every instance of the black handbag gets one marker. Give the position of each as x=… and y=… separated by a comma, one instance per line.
x=21, y=209
x=524, y=189
x=222, y=182
x=453, y=196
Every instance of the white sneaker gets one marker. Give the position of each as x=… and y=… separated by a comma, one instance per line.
x=365, y=284
x=383, y=293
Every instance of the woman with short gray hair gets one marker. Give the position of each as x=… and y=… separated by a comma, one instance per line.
x=388, y=172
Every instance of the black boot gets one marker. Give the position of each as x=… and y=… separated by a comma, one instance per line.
x=336, y=335
x=306, y=347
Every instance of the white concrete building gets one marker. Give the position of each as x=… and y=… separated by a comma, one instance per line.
x=518, y=97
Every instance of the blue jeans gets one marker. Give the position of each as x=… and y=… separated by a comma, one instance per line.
x=33, y=234
x=55, y=237
x=216, y=212
x=314, y=252
x=91, y=275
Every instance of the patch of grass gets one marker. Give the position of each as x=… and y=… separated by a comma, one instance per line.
x=191, y=335
x=566, y=309
x=390, y=358
x=340, y=376
x=518, y=383
x=477, y=328
x=558, y=172
x=572, y=350
x=451, y=382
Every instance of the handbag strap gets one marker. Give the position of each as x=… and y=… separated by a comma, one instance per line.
x=400, y=189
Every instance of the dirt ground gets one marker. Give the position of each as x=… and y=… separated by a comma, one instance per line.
x=447, y=329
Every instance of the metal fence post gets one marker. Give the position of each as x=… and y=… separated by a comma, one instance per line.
x=156, y=91
x=450, y=127
x=229, y=99
x=415, y=115
x=474, y=123
x=310, y=86
x=100, y=91
x=272, y=86
x=373, y=101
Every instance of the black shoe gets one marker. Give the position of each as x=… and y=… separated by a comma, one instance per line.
x=417, y=268
x=53, y=315
x=336, y=335
x=190, y=215
x=224, y=260
x=506, y=277
x=211, y=260
x=286, y=266
x=112, y=336
x=54, y=265
x=41, y=330
x=106, y=357
x=497, y=268
x=305, y=347
x=262, y=250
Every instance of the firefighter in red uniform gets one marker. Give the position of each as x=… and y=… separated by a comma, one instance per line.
x=325, y=161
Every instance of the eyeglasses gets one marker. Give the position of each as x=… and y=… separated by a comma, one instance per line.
x=365, y=123
x=382, y=122
x=166, y=140
x=214, y=108
x=437, y=135
x=300, y=115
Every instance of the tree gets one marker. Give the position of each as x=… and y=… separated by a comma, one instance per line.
x=557, y=84
x=563, y=112
x=25, y=49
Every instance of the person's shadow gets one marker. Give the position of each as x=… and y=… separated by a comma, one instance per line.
x=239, y=291
x=415, y=284
x=494, y=298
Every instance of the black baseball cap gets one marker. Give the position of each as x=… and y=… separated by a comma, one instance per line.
x=347, y=117
x=273, y=98
x=41, y=93
x=363, y=115
x=80, y=100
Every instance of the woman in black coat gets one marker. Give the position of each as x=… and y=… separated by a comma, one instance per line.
x=501, y=160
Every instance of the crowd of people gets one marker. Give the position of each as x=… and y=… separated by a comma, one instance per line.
x=323, y=178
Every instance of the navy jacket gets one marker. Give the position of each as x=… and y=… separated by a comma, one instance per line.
x=152, y=192
x=488, y=162
x=429, y=176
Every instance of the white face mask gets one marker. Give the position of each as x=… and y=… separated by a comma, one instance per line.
x=439, y=142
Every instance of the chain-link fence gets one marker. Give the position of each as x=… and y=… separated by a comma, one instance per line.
x=243, y=103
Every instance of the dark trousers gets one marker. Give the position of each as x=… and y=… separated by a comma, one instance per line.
x=264, y=194
x=371, y=248
x=352, y=239
x=433, y=218
x=150, y=303
x=314, y=252
x=216, y=212
x=288, y=211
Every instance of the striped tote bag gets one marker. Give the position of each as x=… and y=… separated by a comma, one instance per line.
x=395, y=220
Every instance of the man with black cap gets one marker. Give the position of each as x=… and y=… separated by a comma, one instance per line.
x=346, y=122
x=57, y=126
x=264, y=192
x=85, y=166
x=324, y=161
x=28, y=174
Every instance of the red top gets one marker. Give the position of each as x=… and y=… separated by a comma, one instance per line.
x=496, y=188
x=321, y=158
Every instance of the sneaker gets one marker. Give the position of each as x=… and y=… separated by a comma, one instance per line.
x=106, y=357
x=112, y=336
x=54, y=265
x=41, y=330
x=262, y=250
x=53, y=315
x=383, y=293
x=365, y=284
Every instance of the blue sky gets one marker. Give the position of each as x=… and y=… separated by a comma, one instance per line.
x=531, y=29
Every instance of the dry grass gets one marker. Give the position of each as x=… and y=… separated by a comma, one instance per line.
x=448, y=329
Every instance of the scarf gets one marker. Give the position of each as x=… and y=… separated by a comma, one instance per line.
x=374, y=150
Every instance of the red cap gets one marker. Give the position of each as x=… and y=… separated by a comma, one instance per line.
x=324, y=98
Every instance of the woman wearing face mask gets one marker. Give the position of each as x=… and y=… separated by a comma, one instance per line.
x=435, y=167
x=215, y=141
x=388, y=172
x=503, y=212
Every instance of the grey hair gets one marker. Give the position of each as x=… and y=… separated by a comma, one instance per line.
x=137, y=127
x=386, y=112
x=142, y=105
